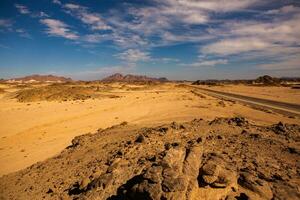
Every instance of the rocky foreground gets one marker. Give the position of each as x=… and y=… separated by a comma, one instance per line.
x=220, y=159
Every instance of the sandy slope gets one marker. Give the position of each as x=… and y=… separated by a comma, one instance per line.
x=32, y=132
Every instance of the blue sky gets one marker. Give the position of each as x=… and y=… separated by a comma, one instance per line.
x=178, y=39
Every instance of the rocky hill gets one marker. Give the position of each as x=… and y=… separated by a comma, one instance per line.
x=132, y=78
x=226, y=158
x=264, y=80
x=40, y=78
x=267, y=80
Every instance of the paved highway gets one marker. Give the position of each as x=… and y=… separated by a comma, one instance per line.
x=280, y=107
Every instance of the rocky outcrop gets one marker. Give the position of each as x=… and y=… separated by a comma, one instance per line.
x=129, y=78
x=222, y=159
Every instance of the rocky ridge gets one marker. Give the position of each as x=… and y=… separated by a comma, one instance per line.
x=220, y=159
x=129, y=78
x=39, y=78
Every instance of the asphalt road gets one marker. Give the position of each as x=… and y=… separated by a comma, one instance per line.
x=276, y=106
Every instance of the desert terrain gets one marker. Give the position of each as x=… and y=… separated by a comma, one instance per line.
x=153, y=140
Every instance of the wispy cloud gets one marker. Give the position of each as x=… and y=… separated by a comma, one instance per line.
x=22, y=9
x=288, y=63
x=93, y=20
x=209, y=25
x=206, y=63
x=56, y=2
x=41, y=14
x=4, y=46
x=214, y=5
x=134, y=55
x=6, y=24
x=93, y=38
x=235, y=46
x=23, y=33
x=58, y=28
x=284, y=10
x=277, y=38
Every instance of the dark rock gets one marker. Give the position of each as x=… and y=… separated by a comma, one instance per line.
x=220, y=137
x=238, y=121
x=49, y=191
x=163, y=129
x=124, y=123
x=140, y=139
x=279, y=128
x=293, y=150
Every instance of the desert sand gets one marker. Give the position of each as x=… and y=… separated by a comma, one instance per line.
x=33, y=131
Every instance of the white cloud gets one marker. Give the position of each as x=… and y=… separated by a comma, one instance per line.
x=214, y=5
x=284, y=10
x=289, y=63
x=25, y=11
x=134, y=55
x=161, y=19
x=22, y=9
x=5, y=24
x=276, y=40
x=154, y=21
x=4, y=46
x=235, y=46
x=206, y=63
x=93, y=38
x=58, y=28
x=285, y=31
x=43, y=14
x=23, y=33
x=94, y=20
x=168, y=60
x=56, y=2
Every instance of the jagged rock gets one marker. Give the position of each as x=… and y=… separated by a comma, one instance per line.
x=174, y=166
x=173, y=178
x=171, y=184
x=174, y=158
x=102, y=181
x=154, y=174
x=210, y=172
x=252, y=183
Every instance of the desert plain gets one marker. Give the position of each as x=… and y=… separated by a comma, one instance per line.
x=117, y=153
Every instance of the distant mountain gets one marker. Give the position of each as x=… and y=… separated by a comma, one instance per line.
x=132, y=78
x=39, y=78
